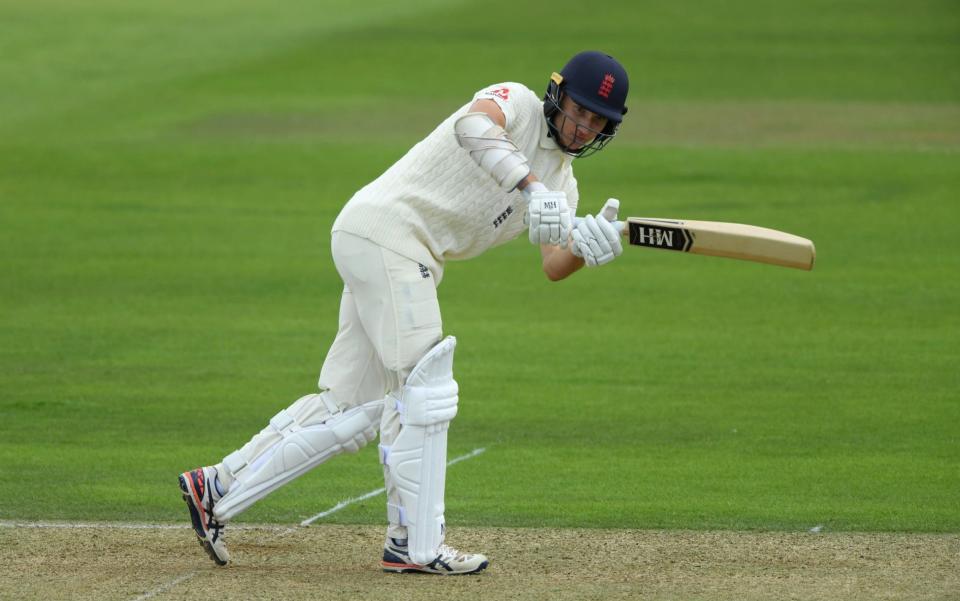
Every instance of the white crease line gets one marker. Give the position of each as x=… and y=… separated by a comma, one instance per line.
x=124, y=526
x=341, y=505
x=374, y=493
x=165, y=587
x=469, y=455
x=91, y=525
x=144, y=526
x=183, y=578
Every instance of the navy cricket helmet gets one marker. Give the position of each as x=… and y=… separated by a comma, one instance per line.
x=595, y=81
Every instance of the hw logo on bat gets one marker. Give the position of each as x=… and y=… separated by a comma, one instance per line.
x=660, y=236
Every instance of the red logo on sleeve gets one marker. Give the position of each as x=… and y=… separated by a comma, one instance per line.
x=502, y=93
x=606, y=86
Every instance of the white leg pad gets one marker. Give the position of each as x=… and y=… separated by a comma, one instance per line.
x=417, y=459
x=300, y=447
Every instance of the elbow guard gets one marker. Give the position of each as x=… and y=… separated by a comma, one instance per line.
x=491, y=148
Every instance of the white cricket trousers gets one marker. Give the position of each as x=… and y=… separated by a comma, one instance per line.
x=389, y=319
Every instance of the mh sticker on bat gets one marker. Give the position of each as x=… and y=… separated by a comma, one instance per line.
x=663, y=236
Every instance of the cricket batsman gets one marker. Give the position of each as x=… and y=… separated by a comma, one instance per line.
x=499, y=166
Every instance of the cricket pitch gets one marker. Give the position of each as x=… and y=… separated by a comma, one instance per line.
x=139, y=562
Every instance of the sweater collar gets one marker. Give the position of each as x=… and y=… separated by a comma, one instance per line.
x=546, y=142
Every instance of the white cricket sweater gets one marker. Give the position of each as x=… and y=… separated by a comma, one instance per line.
x=436, y=203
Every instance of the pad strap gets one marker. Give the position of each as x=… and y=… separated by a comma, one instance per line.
x=235, y=463
x=396, y=514
x=282, y=421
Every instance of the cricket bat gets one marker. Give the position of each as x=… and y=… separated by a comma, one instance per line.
x=717, y=239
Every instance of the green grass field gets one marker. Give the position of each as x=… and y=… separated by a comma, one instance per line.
x=169, y=175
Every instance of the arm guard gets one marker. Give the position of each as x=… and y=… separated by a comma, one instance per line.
x=491, y=148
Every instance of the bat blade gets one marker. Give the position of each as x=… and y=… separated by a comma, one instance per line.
x=717, y=239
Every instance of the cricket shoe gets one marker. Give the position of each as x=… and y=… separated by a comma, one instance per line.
x=198, y=490
x=449, y=562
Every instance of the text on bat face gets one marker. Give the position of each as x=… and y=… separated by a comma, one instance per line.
x=654, y=237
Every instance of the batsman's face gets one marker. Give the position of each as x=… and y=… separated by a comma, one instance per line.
x=577, y=125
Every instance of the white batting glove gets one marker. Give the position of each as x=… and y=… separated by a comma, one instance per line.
x=548, y=216
x=597, y=239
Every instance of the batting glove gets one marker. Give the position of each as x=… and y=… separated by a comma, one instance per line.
x=548, y=215
x=596, y=239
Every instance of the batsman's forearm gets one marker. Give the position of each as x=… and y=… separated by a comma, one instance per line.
x=559, y=263
x=530, y=184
